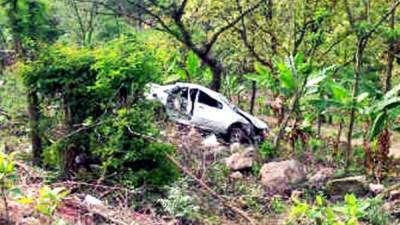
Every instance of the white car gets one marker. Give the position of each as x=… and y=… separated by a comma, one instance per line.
x=195, y=105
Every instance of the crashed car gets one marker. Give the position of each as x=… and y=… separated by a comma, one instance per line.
x=198, y=106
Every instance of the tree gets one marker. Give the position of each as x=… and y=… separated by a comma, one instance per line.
x=30, y=26
x=172, y=17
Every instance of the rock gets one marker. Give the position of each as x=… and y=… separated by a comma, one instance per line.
x=92, y=201
x=376, y=188
x=236, y=175
x=356, y=185
x=394, y=195
x=279, y=176
x=210, y=141
x=320, y=177
x=296, y=194
x=239, y=161
x=235, y=147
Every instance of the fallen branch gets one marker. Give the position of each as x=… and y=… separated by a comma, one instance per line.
x=95, y=186
x=210, y=191
x=207, y=189
x=388, y=190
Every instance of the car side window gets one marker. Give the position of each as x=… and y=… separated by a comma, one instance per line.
x=207, y=100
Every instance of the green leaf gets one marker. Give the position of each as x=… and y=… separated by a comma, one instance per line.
x=286, y=77
x=315, y=81
x=362, y=97
x=340, y=93
x=260, y=69
x=393, y=92
x=377, y=126
x=192, y=64
x=252, y=76
x=387, y=104
x=172, y=79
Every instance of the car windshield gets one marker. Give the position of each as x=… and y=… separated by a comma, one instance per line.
x=226, y=101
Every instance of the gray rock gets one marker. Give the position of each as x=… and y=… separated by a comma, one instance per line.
x=394, y=195
x=376, y=188
x=211, y=141
x=350, y=185
x=321, y=176
x=236, y=175
x=239, y=161
x=280, y=176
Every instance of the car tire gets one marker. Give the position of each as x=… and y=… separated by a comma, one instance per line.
x=237, y=134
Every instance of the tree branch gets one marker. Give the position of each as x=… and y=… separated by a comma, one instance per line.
x=216, y=35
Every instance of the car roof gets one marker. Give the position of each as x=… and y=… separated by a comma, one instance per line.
x=202, y=88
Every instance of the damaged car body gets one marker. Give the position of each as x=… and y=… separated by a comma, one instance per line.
x=197, y=106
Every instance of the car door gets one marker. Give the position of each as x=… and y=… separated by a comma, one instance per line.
x=178, y=105
x=208, y=113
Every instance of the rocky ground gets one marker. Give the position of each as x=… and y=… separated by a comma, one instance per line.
x=247, y=184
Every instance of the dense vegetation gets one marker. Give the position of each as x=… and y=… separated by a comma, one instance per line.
x=73, y=75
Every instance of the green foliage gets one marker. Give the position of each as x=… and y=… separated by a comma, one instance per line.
x=47, y=202
x=7, y=172
x=267, y=150
x=192, y=70
x=178, y=203
x=351, y=212
x=103, y=89
x=277, y=205
x=138, y=160
x=384, y=112
x=30, y=22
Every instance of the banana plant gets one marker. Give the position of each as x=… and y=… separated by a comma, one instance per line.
x=384, y=113
x=192, y=71
x=232, y=86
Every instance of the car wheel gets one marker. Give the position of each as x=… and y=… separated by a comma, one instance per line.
x=237, y=134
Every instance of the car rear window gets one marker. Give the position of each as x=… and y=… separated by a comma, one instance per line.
x=207, y=100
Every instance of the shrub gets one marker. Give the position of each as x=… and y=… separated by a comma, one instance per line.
x=96, y=97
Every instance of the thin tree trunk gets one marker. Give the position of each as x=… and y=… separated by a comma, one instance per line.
x=362, y=42
x=34, y=117
x=253, y=97
x=390, y=56
x=319, y=126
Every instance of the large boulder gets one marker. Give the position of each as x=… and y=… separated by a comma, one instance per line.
x=280, y=176
x=350, y=185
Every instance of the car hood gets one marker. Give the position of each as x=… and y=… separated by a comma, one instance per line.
x=254, y=120
x=157, y=92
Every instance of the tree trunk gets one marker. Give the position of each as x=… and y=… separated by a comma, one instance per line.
x=362, y=42
x=390, y=56
x=69, y=151
x=34, y=116
x=217, y=74
x=253, y=97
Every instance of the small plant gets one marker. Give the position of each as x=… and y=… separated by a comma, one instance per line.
x=7, y=177
x=277, y=205
x=179, y=204
x=267, y=150
x=47, y=202
x=350, y=212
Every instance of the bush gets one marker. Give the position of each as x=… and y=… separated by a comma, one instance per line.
x=139, y=160
x=96, y=101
